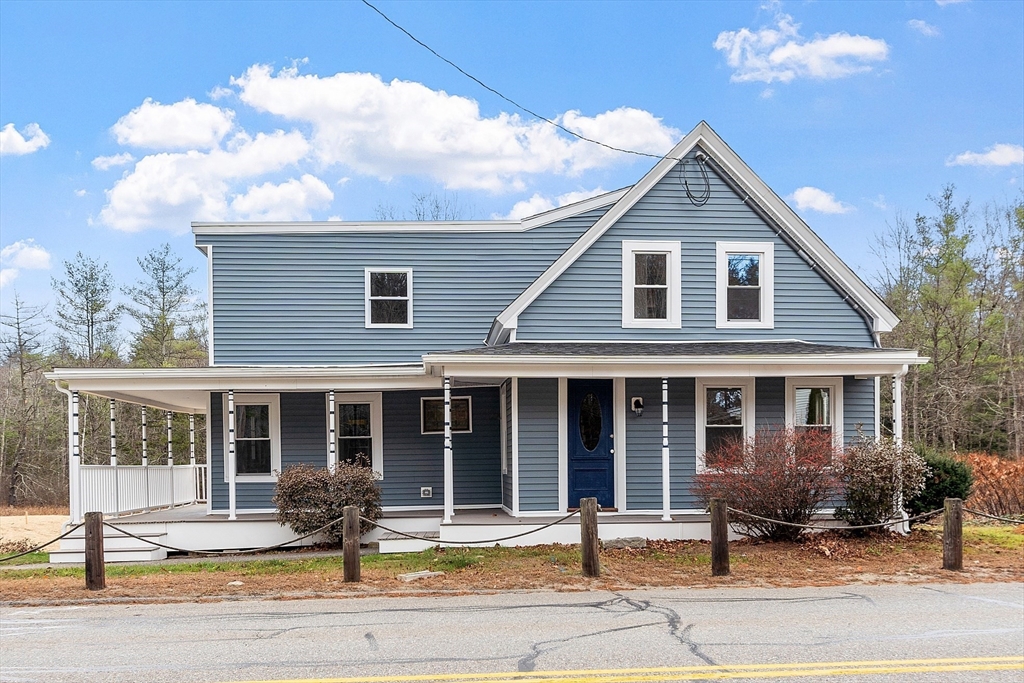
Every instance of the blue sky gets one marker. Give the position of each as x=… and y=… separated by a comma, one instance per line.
x=122, y=122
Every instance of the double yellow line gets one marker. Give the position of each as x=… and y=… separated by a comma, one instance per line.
x=700, y=673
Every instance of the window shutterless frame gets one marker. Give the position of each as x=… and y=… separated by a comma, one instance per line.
x=273, y=401
x=672, y=284
x=835, y=403
x=424, y=400
x=765, y=284
x=375, y=400
x=369, y=297
x=746, y=385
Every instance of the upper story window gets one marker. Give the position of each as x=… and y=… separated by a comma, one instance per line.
x=745, y=285
x=257, y=436
x=650, y=284
x=389, y=297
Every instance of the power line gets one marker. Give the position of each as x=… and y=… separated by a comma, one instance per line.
x=508, y=99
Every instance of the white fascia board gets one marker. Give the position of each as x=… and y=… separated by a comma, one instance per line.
x=570, y=210
x=884, y=318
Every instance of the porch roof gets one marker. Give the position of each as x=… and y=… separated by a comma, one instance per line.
x=666, y=359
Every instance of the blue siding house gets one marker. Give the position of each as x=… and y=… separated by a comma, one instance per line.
x=494, y=372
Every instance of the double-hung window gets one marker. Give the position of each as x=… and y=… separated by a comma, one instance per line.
x=725, y=414
x=650, y=284
x=257, y=436
x=432, y=415
x=359, y=430
x=815, y=404
x=388, y=297
x=745, y=285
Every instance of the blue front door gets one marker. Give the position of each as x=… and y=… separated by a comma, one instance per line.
x=591, y=445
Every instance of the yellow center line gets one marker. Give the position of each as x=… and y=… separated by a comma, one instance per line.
x=695, y=673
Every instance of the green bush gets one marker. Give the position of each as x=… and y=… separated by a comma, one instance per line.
x=949, y=478
x=308, y=498
x=876, y=474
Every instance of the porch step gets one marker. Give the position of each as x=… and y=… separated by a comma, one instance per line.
x=116, y=547
x=396, y=543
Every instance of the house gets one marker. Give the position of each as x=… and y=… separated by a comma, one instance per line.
x=495, y=372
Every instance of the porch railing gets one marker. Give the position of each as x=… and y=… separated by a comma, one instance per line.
x=119, y=489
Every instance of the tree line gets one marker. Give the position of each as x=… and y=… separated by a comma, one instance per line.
x=86, y=329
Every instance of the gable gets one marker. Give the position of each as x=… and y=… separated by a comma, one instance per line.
x=585, y=301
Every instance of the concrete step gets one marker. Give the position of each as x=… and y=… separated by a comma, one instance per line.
x=396, y=543
x=112, y=540
x=63, y=556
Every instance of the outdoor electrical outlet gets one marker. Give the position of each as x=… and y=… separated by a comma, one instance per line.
x=426, y=492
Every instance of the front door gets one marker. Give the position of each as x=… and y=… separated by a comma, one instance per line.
x=591, y=448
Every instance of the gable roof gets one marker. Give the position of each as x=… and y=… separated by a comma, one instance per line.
x=755, y=193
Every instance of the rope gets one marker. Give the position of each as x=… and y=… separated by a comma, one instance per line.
x=835, y=528
x=1008, y=520
x=216, y=553
x=40, y=547
x=437, y=541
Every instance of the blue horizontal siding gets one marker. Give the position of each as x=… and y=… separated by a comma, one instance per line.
x=538, y=444
x=770, y=402
x=585, y=302
x=858, y=408
x=682, y=442
x=643, y=446
x=506, y=477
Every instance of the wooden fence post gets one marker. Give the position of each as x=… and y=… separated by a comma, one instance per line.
x=95, y=571
x=719, y=537
x=588, y=537
x=953, y=535
x=350, y=543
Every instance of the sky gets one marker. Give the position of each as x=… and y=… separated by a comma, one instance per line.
x=123, y=122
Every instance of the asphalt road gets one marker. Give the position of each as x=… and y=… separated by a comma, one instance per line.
x=940, y=632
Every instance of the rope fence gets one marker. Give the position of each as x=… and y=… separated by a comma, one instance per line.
x=816, y=527
x=484, y=542
x=40, y=547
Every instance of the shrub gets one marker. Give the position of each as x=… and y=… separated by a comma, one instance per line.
x=948, y=478
x=781, y=474
x=309, y=497
x=998, y=485
x=875, y=474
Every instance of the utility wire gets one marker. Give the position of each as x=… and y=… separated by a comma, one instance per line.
x=508, y=99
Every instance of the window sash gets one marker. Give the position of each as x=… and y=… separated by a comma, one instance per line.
x=388, y=301
x=432, y=415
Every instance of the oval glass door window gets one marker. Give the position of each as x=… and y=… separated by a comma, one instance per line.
x=590, y=421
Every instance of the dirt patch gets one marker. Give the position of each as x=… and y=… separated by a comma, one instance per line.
x=34, y=529
x=823, y=560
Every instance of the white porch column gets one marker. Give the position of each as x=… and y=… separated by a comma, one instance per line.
x=230, y=459
x=332, y=435
x=75, y=460
x=170, y=451
x=113, y=435
x=666, y=469
x=897, y=408
x=449, y=473
x=192, y=439
x=145, y=446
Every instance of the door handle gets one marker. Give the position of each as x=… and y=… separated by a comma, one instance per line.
x=612, y=451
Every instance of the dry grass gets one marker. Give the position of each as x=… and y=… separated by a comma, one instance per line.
x=990, y=554
x=32, y=510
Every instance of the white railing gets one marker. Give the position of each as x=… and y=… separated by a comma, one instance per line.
x=122, y=489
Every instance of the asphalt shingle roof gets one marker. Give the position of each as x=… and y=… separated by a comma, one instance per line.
x=632, y=349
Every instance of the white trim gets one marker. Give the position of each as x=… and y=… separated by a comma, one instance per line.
x=515, y=446
x=209, y=304
x=570, y=210
x=834, y=385
x=884, y=318
x=666, y=463
x=766, y=273
x=274, y=401
x=563, y=444
x=700, y=409
x=673, y=273
x=619, y=440
x=878, y=409
x=449, y=458
x=332, y=431
x=375, y=399
x=503, y=424
x=209, y=453
x=424, y=399
x=408, y=298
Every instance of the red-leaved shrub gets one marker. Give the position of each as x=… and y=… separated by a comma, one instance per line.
x=998, y=484
x=782, y=474
x=309, y=497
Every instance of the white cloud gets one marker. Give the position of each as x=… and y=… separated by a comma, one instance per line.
x=289, y=201
x=30, y=139
x=943, y=3
x=104, y=163
x=924, y=28
x=813, y=199
x=997, y=155
x=171, y=189
x=19, y=256
x=183, y=125
x=81, y=193
x=880, y=203
x=780, y=53
x=539, y=203
x=404, y=128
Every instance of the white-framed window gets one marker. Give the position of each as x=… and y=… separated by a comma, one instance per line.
x=745, y=285
x=432, y=415
x=388, y=294
x=724, y=411
x=257, y=437
x=359, y=429
x=651, y=284
x=502, y=407
x=816, y=403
